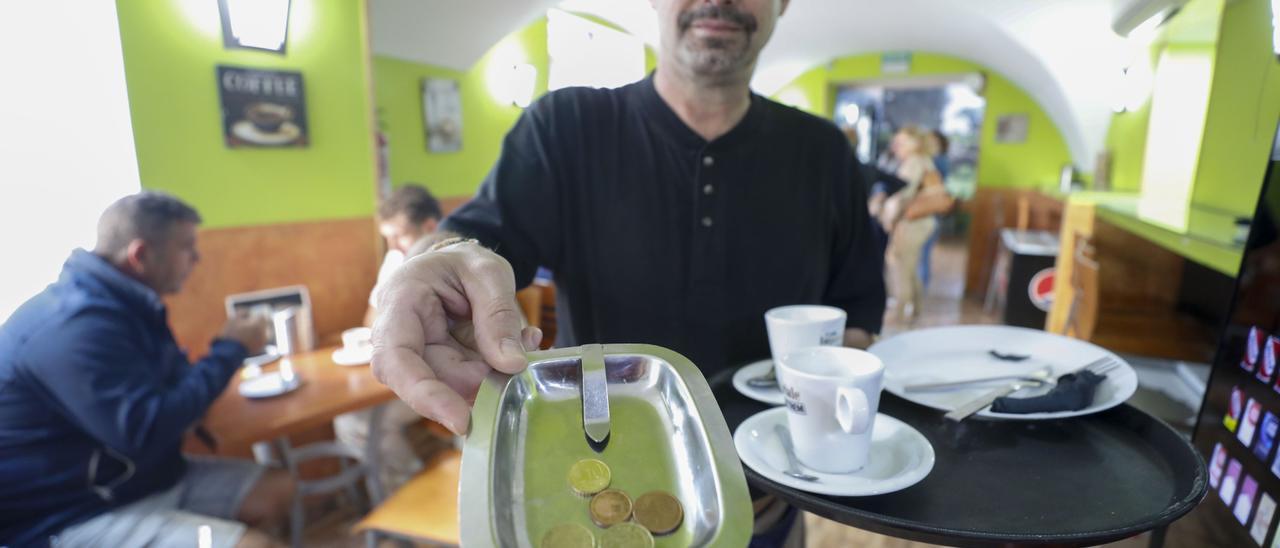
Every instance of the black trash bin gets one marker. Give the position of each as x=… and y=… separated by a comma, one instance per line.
x=1029, y=290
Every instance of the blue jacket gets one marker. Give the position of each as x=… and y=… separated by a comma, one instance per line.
x=95, y=399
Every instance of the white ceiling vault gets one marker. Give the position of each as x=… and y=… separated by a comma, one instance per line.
x=1064, y=53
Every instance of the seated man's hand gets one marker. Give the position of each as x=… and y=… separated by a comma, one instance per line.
x=445, y=320
x=248, y=331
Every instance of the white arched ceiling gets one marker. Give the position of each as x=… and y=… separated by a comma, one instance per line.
x=1063, y=53
x=447, y=33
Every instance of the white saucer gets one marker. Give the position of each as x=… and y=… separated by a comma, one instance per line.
x=347, y=357
x=261, y=359
x=900, y=457
x=287, y=133
x=269, y=385
x=771, y=396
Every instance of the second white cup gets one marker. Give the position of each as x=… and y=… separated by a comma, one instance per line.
x=832, y=394
x=803, y=325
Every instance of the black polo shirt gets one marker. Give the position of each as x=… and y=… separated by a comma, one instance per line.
x=658, y=236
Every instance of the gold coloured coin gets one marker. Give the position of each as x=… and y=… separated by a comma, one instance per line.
x=568, y=535
x=626, y=535
x=659, y=512
x=610, y=507
x=589, y=476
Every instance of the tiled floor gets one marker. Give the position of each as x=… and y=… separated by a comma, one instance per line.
x=944, y=305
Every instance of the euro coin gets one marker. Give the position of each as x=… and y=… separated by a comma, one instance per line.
x=659, y=512
x=568, y=535
x=610, y=507
x=626, y=535
x=589, y=476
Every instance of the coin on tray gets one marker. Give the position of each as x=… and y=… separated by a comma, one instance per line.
x=610, y=507
x=626, y=535
x=568, y=535
x=659, y=512
x=589, y=476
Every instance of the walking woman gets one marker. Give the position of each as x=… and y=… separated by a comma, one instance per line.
x=909, y=231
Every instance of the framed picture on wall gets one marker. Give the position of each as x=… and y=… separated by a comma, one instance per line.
x=442, y=114
x=262, y=108
x=1012, y=128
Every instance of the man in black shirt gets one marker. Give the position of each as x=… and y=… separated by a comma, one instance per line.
x=674, y=211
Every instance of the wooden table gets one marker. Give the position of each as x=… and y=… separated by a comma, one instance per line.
x=327, y=390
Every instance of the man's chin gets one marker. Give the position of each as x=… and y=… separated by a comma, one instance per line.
x=715, y=63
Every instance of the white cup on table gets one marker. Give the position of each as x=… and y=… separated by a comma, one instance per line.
x=799, y=326
x=357, y=340
x=832, y=394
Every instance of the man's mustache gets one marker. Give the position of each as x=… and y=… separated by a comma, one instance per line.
x=723, y=13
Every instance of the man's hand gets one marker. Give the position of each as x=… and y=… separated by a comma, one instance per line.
x=445, y=319
x=856, y=337
x=248, y=331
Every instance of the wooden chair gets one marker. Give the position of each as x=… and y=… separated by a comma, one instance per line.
x=425, y=510
x=548, y=318
x=530, y=299
x=1082, y=316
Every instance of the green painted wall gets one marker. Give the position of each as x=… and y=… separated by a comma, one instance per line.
x=1037, y=162
x=485, y=121
x=170, y=50
x=1127, y=141
x=1195, y=26
x=1244, y=104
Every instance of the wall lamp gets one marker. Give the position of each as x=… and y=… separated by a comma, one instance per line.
x=255, y=24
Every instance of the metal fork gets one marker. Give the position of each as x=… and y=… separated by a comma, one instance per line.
x=1043, y=376
x=1099, y=366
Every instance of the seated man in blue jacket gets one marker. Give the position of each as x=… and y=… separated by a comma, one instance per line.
x=96, y=398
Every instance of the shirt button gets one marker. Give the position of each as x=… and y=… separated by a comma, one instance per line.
x=708, y=161
x=707, y=189
x=706, y=221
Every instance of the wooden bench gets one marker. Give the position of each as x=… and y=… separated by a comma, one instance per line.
x=425, y=510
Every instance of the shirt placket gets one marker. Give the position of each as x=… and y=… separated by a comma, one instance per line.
x=707, y=261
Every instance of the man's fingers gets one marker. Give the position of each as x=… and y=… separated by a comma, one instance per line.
x=532, y=337
x=408, y=375
x=436, y=401
x=461, y=370
x=491, y=290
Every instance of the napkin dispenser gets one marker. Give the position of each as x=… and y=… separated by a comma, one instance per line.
x=293, y=331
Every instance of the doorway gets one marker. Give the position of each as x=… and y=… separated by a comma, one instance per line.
x=951, y=104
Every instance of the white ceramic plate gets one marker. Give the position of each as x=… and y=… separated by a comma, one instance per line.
x=269, y=385
x=347, y=358
x=900, y=457
x=261, y=359
x=963, y=352
x=771, y=396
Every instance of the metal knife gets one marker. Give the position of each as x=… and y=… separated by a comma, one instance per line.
x=595, y=397
x=980, y=403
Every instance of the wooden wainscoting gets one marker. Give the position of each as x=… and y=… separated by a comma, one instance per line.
x=992, y=209
x=336, y=259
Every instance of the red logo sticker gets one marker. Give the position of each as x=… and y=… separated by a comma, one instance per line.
x=1040, y=290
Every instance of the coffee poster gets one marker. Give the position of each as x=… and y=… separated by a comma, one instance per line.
x=262, y=108
x=442, y=114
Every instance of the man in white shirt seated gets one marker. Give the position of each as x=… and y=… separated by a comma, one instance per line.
x=407, y=215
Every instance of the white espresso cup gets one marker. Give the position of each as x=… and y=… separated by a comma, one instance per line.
x=357, y=339
x=832, y=394
x=803, y=325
